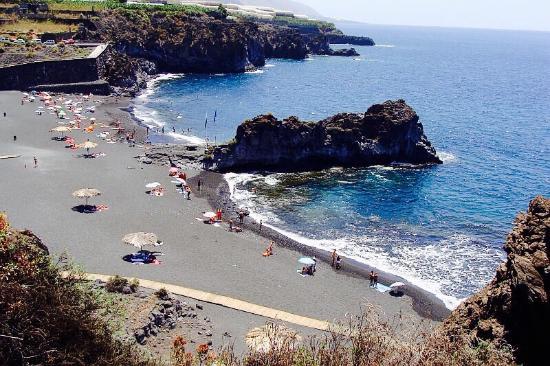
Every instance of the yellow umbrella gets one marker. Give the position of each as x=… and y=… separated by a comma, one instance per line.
x=264, y=339
x=88, y=145
x=86, y=193
x=61, y=129
x=140, y=239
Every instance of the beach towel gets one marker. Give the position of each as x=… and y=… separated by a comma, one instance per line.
x=382, y=288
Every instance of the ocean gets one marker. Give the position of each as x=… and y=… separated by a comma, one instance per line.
x=483, y=97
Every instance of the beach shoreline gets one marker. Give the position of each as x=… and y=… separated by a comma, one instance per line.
x=217, y=194
x=195, y=255
x=215, y=190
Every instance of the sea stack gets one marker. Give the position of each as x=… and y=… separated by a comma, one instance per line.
x=387, y=133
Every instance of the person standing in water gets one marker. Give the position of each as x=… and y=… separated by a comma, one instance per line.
x=35, y=162
x=199, y=185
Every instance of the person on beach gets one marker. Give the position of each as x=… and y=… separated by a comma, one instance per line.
x=314, y=266
x=333, y=263
x=338, y=262
x=162, y=130
x=231, y=225
x=199, y=185
x=261, y=223
x=188, y=191
x=173, y=129
x=147, y=130
x=375, y=280
x=4, y=114
x=35, y=161
x=269, y=251
x=241, y=216
x=14, y=138
x=371, y=278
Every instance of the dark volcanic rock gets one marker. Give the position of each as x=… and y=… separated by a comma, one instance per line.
x=338, y=38
x=514, y=307
x=176, y=42
x=386, y=133
x=344, y=52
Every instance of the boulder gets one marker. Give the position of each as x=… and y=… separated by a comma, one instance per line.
x=387, y=133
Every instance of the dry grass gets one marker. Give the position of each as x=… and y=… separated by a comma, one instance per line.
x=367, y=340
x=25, y=26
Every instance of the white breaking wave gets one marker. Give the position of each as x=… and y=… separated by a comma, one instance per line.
x=258, y=71
x=146, y=115
x=433, y=267
x=186, y=138
x=447, y=157
x=269, y=65
x=385, y=45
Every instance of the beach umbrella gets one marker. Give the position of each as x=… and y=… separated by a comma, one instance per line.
x=87, y=145
x=397, y=285
x=140, y=239
x=209, y=214
x=153, y=185
x=269, y=336
x=86, y=193
x=61, y=129
x=307, y=261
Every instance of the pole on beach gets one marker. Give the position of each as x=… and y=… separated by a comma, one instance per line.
x=206, y=129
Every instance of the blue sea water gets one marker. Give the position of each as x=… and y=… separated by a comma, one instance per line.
x=483, y=97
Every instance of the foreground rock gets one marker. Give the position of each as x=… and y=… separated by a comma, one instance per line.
x=514, y=308
x=386, y=133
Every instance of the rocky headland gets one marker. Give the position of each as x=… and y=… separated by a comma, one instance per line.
x=387, y=133
x=514, y=308
x=145, y=43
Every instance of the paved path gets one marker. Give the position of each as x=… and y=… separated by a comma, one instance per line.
x=227, y=302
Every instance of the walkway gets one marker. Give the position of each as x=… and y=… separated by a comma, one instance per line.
x=227, y=302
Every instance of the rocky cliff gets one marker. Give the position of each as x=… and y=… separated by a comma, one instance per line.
x=178, y=42
x=514, y=307
x=386, y=133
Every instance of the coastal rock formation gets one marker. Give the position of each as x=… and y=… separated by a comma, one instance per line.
x=386, y=133
x=319, y=45
x=340, y=38
x=177, y=42
x=514, y=308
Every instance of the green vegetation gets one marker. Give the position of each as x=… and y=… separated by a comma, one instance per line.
x=87, y=6
x=49, y=316
x=304, y=23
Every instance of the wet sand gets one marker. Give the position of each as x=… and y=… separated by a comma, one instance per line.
x=196, y=255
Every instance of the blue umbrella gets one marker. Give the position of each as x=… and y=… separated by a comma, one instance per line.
x=306, y=260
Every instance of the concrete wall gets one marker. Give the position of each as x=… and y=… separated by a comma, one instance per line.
x=26, y=76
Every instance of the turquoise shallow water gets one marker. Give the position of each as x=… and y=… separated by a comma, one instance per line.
x=483, y=97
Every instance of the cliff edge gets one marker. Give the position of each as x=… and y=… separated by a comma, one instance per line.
x=387, y=133
x=514, y=307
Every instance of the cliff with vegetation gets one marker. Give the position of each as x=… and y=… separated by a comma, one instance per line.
x=386, y=133
x=514, y=308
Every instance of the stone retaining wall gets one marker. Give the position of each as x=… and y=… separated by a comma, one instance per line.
x=27, y=76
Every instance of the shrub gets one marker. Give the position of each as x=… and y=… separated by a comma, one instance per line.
x=162, y=294
x=49, y=319
x=134, y=284
x=116, y=284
